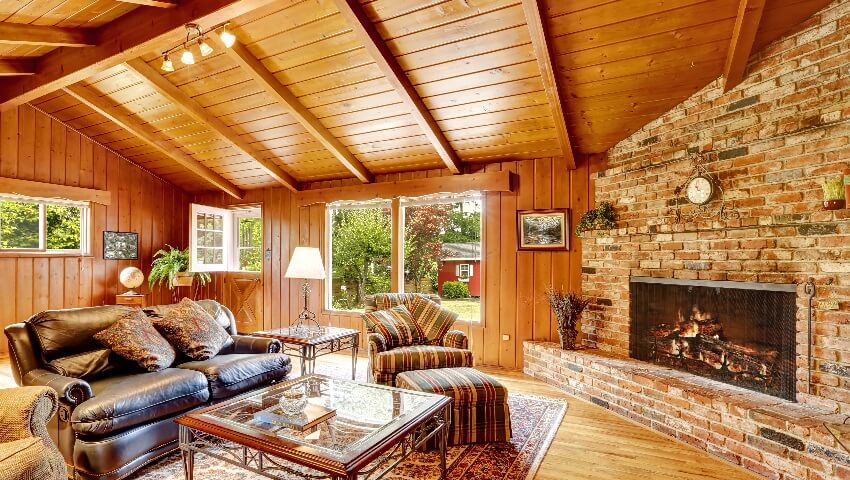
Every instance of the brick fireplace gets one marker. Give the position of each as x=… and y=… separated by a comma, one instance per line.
x=770, y=143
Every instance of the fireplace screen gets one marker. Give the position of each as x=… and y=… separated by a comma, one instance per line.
x=739, y=333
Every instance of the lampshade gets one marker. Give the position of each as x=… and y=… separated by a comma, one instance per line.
x=306, y=262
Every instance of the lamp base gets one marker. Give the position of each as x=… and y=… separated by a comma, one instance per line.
x=306, y=317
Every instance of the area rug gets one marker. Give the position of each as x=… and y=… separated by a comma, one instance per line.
x=535, y=421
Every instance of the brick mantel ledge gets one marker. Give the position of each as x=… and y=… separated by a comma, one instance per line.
x=772, y=437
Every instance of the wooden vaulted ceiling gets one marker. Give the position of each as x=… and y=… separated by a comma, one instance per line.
x=327, y=89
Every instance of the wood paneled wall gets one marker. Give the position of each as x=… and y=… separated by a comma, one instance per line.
x=33, y=146
x=514, y=281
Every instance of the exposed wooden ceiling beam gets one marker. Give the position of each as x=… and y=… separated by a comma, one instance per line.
x=196, y=111
x=22, y=34
x=153, y=3
x=130, y=36
x=279, y=92
x=15, y=67
x=155, y=139
x=548, y=74
x=743, y=36
x=482, y=182
x=380, y=52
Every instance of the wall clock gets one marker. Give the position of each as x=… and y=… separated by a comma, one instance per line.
x=698, y=191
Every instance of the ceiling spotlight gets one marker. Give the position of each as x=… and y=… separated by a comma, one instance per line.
x=167, y=64
x=204, y=47
x=187, y=57
x=227, y=38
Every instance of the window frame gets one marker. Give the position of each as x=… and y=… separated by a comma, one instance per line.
x=328, y=249
x=43, y=203
x=196, y=209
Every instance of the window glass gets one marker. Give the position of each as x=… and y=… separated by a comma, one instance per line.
x=360, y=244
x=210, y=243
x=19, y=224
x=64, y=226
x=442, y=252
x=249, y=234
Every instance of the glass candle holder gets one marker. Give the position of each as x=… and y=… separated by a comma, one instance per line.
x=293, y=401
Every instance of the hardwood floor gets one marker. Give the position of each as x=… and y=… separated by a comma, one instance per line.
x=591, y=444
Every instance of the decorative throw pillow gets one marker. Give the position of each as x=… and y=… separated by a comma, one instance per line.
x=396, y=325
x=434, y=319
x=192, y=330
x=134, y=337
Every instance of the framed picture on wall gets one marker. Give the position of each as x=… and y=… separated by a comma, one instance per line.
x=543, y=229
x=120, y=246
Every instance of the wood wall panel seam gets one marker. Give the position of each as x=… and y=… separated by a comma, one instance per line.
x=197, y=112
x=548, y=73
x=285, y=97
x=389, y=66
x=155, y=139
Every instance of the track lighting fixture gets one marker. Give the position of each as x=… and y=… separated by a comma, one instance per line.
x=194, y=35
x=167, y=64
x=227, y=38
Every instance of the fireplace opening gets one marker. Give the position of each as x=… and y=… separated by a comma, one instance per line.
x=734, y=332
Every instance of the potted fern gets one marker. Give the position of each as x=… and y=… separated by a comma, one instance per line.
x=172, y=267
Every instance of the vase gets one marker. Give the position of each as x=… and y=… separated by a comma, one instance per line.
x=567, y=333
x=834, y=204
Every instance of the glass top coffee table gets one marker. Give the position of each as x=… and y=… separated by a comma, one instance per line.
x=371, y=430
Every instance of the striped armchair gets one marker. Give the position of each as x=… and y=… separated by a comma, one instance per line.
x=26, y=450
x=451, y=349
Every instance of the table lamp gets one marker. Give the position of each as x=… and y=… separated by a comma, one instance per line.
x=306, y=263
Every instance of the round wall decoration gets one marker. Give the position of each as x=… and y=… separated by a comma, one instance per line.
x=700, y=188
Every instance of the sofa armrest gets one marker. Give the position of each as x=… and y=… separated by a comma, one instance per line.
x=377, y=343
x=251, y=344
x=25, y=411
x=71, y=390
x=456, y=339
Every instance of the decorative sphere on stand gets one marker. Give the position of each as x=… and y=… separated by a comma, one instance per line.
x=131, y=277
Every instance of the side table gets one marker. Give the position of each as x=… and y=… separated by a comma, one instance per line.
x=310, y=343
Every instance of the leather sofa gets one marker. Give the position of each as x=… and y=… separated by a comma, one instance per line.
x=113, y=416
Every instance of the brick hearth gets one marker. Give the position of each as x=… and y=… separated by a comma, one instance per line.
x=769, y=436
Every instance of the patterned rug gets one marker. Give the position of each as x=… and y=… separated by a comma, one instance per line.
x=534, y=421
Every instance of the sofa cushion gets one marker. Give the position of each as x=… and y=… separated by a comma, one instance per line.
x=396, y=325
x=229, y=375
x=123, y=401
x=193, y=331
x=86, y=365
x=222, y=315
x=421, y=357
x=385, y=301
x=135, y=338
x=433, y=318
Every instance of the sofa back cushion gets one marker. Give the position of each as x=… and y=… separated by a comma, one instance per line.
x=385, y=301
x=63, y=333
x=396, y=325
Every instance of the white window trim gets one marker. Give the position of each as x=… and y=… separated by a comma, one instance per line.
x=227, y=240
x=85, y=225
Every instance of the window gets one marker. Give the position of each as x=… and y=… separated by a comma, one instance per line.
x=226, y=239
x=442, y=246
x=360, y=249
x=43, y=225
x=249, y=239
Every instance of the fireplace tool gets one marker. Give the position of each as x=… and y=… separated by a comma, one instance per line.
x=809, y=290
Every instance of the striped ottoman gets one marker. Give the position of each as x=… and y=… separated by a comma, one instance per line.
x=480, y=412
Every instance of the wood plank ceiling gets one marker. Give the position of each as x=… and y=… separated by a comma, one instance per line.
x=330, y=89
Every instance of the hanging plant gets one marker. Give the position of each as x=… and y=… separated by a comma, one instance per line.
x=602, y=217
x=172, y=266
